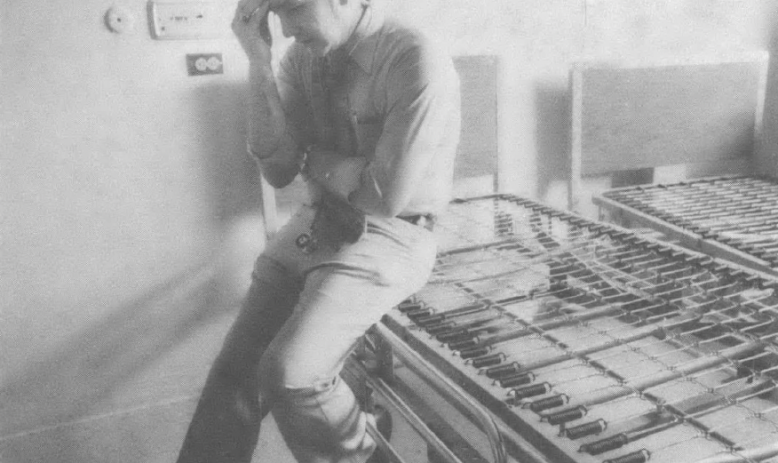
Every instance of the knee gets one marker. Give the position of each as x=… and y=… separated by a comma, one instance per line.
x=274, y=372
x=280, y=376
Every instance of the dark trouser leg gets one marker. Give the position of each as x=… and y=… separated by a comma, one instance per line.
x=226, y=422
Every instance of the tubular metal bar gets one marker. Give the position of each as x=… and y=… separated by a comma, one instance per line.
x=420, y=366
x=384, y=390
x=679, y=405
x=730, y=217
x=744, y=456
x=384, y=445
x=677, y=417
x=536, y=326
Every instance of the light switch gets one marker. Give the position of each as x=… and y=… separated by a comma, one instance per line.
x=187, y=20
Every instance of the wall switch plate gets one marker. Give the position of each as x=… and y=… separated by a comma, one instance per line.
x=200, y=64
x=177, y=20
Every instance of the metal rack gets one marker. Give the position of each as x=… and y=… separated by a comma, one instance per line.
x=584, y=342
x=732, y=217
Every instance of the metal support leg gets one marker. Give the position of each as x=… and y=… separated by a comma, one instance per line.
x=379, y=376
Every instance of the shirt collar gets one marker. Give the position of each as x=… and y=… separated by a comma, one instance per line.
x=363, y=51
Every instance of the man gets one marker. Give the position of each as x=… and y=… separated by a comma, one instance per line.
x=367, y=111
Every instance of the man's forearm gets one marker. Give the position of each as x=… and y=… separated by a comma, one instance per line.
x=349, y=179
x=335, y=173
x=268, y=138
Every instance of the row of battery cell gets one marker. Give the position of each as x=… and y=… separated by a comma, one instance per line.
x=612, y=338
x=740, y=212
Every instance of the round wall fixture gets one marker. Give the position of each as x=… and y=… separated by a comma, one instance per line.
x=118, y=19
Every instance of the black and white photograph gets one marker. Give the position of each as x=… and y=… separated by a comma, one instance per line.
x=389, y=231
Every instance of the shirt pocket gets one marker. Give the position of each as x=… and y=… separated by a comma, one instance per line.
x=368, y=132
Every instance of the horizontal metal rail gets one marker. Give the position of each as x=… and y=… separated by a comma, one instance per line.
x=380, y=387
x=420, y=366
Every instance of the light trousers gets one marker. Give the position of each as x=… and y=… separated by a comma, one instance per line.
x=301, y=318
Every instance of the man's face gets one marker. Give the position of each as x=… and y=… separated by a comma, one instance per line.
x=320, y=25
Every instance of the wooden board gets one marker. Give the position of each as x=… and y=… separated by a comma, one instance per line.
x=633, y=115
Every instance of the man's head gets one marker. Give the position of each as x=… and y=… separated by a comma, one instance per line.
x=320, y=25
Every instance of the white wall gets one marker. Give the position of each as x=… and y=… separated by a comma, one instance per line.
x=537, y=40
x=120, y=175
x=118, y=168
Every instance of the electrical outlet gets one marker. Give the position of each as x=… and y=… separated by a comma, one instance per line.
x=200, y=64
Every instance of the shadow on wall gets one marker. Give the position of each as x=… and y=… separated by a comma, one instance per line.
x=768, y=152
x=152, y=335
x=554, y=145
x=75, y=382
x=234, y=188
x=552, y=136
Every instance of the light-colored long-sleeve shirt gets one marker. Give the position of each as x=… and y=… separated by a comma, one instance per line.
x=401, y=103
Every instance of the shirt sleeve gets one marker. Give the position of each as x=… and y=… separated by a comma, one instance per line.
x=291, y=77
x=422, y=91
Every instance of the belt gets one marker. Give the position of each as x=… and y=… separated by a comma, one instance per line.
x=423, y=220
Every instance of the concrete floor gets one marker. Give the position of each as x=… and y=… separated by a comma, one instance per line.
x=150, y=431
x=144, y=418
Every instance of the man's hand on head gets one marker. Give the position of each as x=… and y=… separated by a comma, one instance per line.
x=250, y=26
